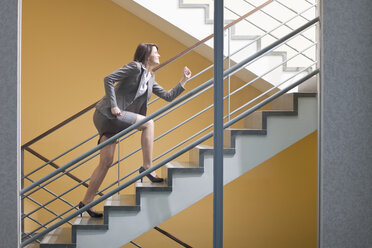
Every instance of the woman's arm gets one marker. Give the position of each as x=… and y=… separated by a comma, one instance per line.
x=118, y=75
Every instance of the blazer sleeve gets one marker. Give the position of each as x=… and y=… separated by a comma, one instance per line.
x=118, y=75
x=167, y=95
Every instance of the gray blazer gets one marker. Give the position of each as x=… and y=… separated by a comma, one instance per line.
x=124, y=92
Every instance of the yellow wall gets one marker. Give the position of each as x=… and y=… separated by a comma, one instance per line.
x=68, y=47
x=273, y=205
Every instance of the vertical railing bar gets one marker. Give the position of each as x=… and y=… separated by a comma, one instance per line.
x=64, y=153
x=286, y=43
x=22, y=186
x=118, y=164
x=229, y=76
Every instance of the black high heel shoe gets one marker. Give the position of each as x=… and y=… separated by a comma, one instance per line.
x=151, y=177
x=90, y=212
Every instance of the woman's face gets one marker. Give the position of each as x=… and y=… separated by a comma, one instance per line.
x=154, y=57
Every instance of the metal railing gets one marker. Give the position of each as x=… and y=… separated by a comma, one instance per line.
x=26, y=147
x=170, y=107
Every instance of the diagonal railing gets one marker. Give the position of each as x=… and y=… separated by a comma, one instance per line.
x=188, y=95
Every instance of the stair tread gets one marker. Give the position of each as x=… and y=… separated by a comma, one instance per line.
x=244, y=129
x=148, y=186
x=86, y=220
x=177, y=164
x=227, y=150
x=58, y=236
x=121, y=200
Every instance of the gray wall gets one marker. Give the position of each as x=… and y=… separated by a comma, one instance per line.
x=8, y=123
x=346, y=121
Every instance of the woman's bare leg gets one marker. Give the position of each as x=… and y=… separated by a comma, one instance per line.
x=105, y=161
x=147, y=142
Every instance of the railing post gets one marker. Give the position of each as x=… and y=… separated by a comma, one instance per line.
x=218, y=126
x=228, y=65
x=118, y=163
x=22, y=199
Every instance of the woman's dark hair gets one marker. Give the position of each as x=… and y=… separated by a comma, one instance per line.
x=143, y=51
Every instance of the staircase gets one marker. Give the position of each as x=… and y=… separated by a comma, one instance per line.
x=128, y=216
x=190, y=20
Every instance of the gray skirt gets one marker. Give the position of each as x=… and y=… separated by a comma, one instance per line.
x=110, y=127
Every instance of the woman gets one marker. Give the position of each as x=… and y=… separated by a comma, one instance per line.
x=125, y=104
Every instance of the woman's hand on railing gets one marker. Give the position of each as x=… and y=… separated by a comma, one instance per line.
x=186, y=76
x=116, y=111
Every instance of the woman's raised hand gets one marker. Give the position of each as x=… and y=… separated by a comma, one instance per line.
x=186, y=76
x=186, y=73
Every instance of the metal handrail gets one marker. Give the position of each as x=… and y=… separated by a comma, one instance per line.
x=192, y=92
